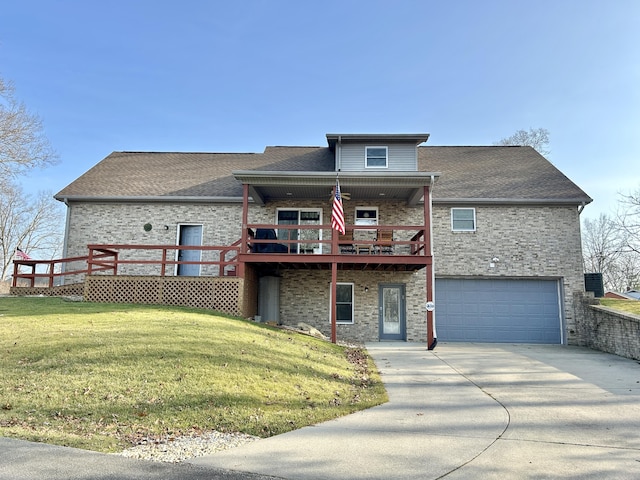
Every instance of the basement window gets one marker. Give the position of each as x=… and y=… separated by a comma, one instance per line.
x=344, y=303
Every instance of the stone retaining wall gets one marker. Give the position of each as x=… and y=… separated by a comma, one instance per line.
x=605, y=329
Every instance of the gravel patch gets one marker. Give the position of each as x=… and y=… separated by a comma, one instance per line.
x=183, y=448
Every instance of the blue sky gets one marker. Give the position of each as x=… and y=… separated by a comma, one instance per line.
x=156, y=75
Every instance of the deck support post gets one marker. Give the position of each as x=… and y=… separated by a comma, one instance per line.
x=334, y=285
x=244, y=235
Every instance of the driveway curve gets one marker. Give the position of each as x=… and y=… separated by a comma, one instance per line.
x=471, y=411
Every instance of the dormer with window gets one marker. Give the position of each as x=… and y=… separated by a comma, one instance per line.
x=376, y=152
x=376, y=157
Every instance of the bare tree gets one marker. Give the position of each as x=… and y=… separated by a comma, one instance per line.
x=626, y=272
x=628, y=219
x=35, y=225
x=602, y=248
x=23, y=145
x=537, y=138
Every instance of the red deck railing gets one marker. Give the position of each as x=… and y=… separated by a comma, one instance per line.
x=306, y=239
x=294, y=239
x=227, y=259
x=109, y=258
x=54, y=268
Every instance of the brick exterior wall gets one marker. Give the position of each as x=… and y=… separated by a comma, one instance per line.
x=122, y=223
x=531, y=242
x=304, y=297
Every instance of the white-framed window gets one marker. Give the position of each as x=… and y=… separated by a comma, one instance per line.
x=463, y=219
x=300, y=216
x=366, y=216
x=376, y=157
x=344, y=303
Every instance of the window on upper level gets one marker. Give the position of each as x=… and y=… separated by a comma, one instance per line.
x=463, y=219
x=376, y=157
x=366, y=216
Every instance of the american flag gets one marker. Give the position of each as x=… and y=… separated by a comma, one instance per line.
x=337, y=214
x=21, y=255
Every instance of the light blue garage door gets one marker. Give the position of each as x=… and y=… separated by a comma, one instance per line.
x=514, y=311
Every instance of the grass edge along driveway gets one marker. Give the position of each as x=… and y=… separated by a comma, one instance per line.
x=105, y=376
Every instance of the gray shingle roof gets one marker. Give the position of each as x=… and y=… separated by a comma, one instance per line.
x=502, y=173
x=505, y=173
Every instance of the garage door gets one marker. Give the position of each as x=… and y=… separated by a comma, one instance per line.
x=515, y=311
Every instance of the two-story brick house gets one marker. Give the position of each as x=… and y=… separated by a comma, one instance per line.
x=490, y=234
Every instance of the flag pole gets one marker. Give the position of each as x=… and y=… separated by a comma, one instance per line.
x=338, y=227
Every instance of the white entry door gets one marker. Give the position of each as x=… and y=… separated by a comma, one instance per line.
x=189, y=235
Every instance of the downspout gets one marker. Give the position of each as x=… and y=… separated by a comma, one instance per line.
x=431, y=279
x=244, y=234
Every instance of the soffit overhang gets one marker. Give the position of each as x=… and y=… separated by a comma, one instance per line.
x=510, y=201
x=375, y=138
x=275, y=186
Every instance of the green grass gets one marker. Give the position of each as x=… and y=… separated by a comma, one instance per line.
x=104, y=376
x=629, y=306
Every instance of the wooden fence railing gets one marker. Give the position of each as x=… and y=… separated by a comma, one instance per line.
x=57, y=268
x=227, y=260
x=108, y=258
x=313, y=238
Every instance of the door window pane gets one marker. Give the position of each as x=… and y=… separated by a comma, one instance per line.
x=308, y=236
x=391, y=310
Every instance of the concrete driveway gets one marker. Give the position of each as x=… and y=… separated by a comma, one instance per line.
x=472, y=411
x=462, y=411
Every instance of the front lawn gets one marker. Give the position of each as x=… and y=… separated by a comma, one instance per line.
x=104, y=376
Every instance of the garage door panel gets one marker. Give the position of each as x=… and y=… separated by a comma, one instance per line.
x=550, y=308
x=485, y=309
x=471, y=309
x=498, y=310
